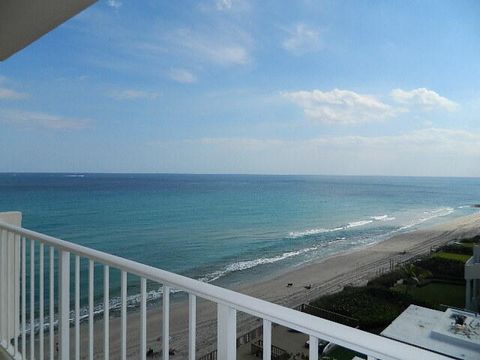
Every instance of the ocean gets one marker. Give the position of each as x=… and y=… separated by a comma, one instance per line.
x=228, y=229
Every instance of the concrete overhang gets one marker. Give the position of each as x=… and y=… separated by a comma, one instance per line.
x=24, y=21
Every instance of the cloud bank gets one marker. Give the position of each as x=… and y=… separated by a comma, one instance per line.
x=424, y=99
x=340, y=106
x=346, y=107
x=424, y=152
x=28, y=120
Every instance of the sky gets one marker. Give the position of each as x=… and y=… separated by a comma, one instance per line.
x=254, y=87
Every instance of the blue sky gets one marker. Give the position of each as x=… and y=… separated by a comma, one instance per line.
x=237, y=86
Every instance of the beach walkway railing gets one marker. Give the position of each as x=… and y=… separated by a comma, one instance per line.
x=29, y=261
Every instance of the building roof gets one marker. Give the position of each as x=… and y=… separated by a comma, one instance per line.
x=438, y=331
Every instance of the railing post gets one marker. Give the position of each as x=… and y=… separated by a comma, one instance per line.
x=3, y=287
x=267, y=339
x=64, y=305
x=313, y=348
x=9, y=280
x=192, y=326
x=226, y=332
x=166, y=322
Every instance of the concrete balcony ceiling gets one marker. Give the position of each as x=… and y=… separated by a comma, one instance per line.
x=24, y=21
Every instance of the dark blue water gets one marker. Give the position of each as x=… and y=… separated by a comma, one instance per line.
x=228, y=229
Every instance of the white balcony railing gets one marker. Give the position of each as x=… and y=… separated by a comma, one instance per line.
x=22, y=253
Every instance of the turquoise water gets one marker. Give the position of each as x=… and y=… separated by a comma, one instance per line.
x=229, y=229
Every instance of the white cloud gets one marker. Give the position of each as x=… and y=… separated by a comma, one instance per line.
x=182, y=76
x=340, y=106
x=223, y=4
x=230, y=6
x=116, y=4
x=9, y=94
x=131, y=94
x=27, y=119
x=302, y=39
x=230, y=47
x=424, y=99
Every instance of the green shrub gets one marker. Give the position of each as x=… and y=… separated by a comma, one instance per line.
x=374, y=307
x=387, y=280
x=475, y=240
x=442, y=268
x=457, y=249
x=452, y=256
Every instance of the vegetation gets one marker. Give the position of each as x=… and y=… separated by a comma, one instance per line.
x=432, y=281
x=388, y=280
x=443, y=268
x=459, y=248
x=436, y=294
x=452, y=256
x=340, y=353
x=374, y=307
x=474, y=240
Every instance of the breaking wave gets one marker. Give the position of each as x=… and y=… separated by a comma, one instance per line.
x=429, y=215
x=248, y=264
x=353, y=224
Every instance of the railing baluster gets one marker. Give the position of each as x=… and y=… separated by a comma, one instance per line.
x=8, y=313
x=16, y=267
x=226, y=332
x=143, y=319
x=267, y=339
x=41, y=299
x=192, y=326
x=64, y=305
x=24, y=298
x=32, y=299
x=51, y=302
x=77, y=307
x=124, y=315
x=166, y=322
x=91, y=270
x=313, y=348
x=106, y=314
x=3, y=284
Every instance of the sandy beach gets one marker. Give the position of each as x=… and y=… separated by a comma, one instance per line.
x=326, y=276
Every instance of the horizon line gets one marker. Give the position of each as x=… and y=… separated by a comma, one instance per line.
x=232, y=174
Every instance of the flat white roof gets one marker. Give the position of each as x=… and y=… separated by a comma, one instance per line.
x=436, y=331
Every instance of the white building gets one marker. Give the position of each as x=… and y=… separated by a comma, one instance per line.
x=472, y=278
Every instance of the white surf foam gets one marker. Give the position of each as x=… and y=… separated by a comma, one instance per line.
x=248, y=264
x=297, y=234
x=382, y=218
x=429, y=215
x=358, y=223
x=353, y=224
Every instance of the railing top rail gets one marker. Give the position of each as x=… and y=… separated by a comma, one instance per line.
x=361, y=341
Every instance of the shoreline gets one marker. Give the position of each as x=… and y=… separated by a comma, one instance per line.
x=325, y=276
